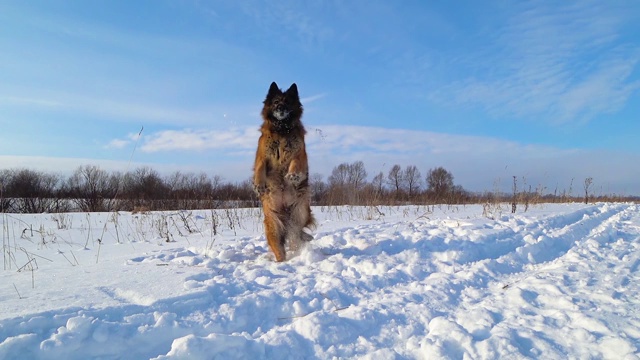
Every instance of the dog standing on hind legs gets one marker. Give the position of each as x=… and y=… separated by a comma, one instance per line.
x=281, y=171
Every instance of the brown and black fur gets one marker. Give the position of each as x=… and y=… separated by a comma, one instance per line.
x=281, y=171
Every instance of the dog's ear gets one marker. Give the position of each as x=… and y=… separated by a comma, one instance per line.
x=292, y=92
x=273, y=90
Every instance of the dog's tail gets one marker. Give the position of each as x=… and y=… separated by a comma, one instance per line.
x=310, y=225
x=311, y=222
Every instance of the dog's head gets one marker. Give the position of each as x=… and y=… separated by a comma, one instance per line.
x=282, y=109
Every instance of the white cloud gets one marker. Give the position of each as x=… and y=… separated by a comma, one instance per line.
x=355, y=139
x=234, y=139
x=601, y=92
x=122, y=143
x=128, y=110
x=117, y=144
x=477, y=162
x=560, y=63
x=28, y=101
x=58, y=164
x=300, y=20
x=312, y=98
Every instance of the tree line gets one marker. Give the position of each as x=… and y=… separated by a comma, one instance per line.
x=90, y=189
x=348, y=184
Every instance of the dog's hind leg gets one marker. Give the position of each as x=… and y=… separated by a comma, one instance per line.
x=275, y=239
x=274, y=230
x=300, y=218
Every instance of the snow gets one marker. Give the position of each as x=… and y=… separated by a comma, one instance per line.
x=558, y=281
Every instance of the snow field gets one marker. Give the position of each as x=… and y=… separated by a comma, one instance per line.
x=559, y=281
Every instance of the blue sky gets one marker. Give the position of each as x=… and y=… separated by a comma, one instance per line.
x=546, y=91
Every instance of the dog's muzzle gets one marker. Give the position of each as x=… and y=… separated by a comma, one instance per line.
x=280, y=113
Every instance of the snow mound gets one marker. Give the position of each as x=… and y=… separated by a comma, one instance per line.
x=559, y=281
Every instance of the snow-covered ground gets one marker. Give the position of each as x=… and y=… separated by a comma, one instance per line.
x=558, y=281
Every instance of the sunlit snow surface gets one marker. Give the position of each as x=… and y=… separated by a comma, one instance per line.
x=453, y=282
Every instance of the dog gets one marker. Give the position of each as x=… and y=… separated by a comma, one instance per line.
x=281, y=172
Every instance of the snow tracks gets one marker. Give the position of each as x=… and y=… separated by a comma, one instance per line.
x=556, y=285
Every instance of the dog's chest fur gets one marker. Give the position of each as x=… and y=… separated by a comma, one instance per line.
x=280, y=150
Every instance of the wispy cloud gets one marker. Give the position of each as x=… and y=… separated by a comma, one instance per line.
x=356, y=141
x=235, y=139
x=369, y=142
x=602, y=92
x=66, y=165
x=312, y=98
x=301, y=21
x=28, y=101
x=475, y=159
x=477, y=162
x=117, y=144
x=172, y=79
x=122, y=143
x=127, y=110
x=559, y=63
x=61, y=164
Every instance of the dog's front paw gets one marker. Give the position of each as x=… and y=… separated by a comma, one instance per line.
x=295, y=178
x=259, y=189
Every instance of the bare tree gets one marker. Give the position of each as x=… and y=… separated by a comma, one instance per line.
x=413, y=179
x=587, y=185
x=338, y=181
x=176, y=181
x=92, y=188
x=395, y=180
x=190, y=191
x=346, y=181
x=459, y=195
x=357, y=175
x=339, y=175
x=514, y=198
x=216, y=182
x=439, y=183
x=199, y=186
x=143, y=185
x=318, y=187
x=6, y=203
x=33, y=191
x=378, y=183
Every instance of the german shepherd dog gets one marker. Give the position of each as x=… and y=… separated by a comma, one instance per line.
x=281, y=172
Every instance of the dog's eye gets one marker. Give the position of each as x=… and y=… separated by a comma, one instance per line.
x=276, y=102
